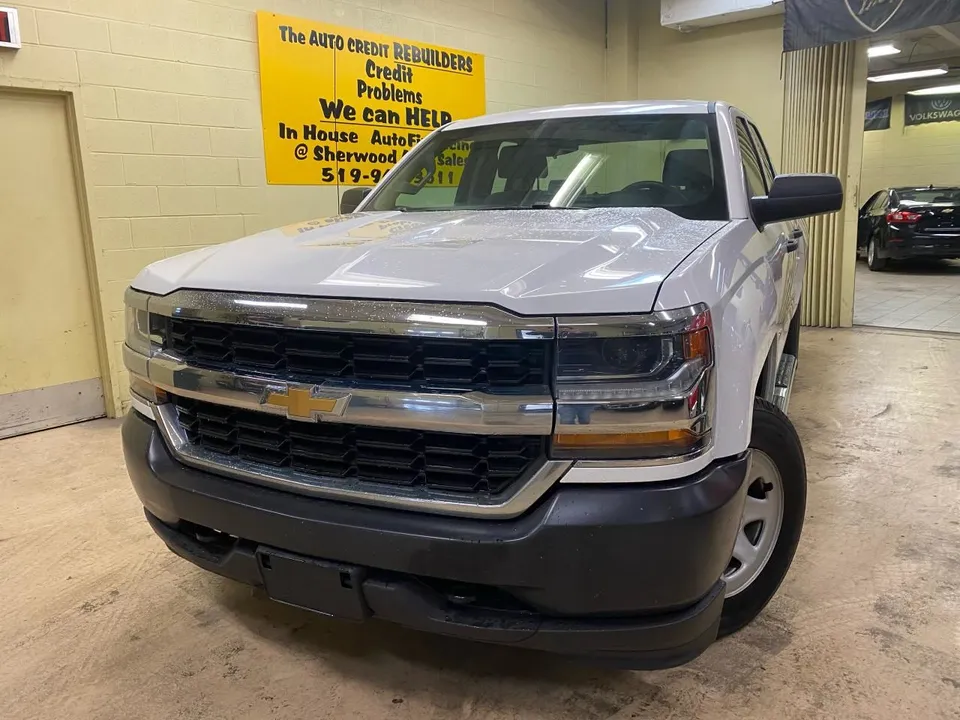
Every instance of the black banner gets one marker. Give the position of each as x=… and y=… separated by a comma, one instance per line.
x=810, y=23
x=923, y=109
x=877, y=116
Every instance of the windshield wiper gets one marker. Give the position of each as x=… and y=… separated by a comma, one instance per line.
x=548, y=206
x=535, y=206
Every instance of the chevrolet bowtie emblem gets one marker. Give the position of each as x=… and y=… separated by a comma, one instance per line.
x=306, y=402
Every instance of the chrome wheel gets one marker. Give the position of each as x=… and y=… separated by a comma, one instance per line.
x=871, y=252
x=760, y=526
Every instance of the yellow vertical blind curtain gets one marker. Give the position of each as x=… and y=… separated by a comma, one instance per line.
x=817, y=121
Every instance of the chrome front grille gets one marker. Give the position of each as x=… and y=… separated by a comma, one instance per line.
x=318, y=355
x=342, y=452
x=431, y=407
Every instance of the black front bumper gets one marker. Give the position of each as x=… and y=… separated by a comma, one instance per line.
x=629, y=573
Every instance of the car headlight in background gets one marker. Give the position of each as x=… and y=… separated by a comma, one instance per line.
x=633, y=388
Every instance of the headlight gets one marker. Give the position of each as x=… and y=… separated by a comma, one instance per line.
x=138, y=322
x=139, y=339
x=634, y=387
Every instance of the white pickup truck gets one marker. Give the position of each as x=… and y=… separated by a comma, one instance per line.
x=540, y=403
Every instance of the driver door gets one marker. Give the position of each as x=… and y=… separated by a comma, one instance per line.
x=777, y=236
x=791, y=236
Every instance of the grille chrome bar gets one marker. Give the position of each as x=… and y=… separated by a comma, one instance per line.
x=515, y=501
x=471, y=412
x=370, y=317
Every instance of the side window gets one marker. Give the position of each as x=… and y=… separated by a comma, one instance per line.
x=769, y=172
x=880, y=206
x=751, y=163
x=869, y=205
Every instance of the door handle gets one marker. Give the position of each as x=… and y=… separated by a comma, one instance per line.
x=793, y=242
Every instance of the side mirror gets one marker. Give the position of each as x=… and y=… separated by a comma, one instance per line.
x=351, y=198
x=797, y=196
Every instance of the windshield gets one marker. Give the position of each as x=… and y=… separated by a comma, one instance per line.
x=667, y=161
x=931, y=196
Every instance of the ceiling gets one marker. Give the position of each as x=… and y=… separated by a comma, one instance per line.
x=926, y=47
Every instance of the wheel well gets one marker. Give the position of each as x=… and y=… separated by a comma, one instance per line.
x=792, y=344
x=767, y=375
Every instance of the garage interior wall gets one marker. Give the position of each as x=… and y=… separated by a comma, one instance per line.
x=823, y=133
x=738, y=63
x=166, y=95
x=914, y=155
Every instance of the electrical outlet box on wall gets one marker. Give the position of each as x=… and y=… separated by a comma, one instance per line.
x=9, y=28
x=688, y=15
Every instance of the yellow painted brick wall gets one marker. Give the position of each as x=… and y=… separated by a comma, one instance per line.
x=169, y=112
x=738, y=63
x=915, y=155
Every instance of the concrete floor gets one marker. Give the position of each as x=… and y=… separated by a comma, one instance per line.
x=912, y=296
x=100, y=621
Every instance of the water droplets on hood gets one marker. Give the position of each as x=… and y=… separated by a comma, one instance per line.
x=529, y=261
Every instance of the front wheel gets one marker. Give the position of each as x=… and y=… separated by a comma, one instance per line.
x=772, y=517
x=874, y=261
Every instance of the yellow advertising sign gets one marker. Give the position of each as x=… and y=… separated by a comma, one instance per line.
x=341, y=106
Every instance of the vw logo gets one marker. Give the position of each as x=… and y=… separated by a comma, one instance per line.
x=941, y=103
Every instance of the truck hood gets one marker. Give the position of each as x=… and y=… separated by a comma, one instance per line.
x=529, y=261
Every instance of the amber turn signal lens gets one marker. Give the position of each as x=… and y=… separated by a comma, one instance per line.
x=593, y=441
x=146, y=390
x=697, y=345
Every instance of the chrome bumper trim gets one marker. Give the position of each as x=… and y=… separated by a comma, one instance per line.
x=142, y=406
x=473, y=413
x=707, y=450
x=506, y=506
x=381, y=317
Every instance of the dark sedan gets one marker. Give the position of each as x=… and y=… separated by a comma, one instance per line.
x=902, y=223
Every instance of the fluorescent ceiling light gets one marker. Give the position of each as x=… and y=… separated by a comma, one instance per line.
x=882, y=50
x=909, y=74
x=939, y=90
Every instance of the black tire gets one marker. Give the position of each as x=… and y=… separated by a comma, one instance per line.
x=773, y=434
x=874, y=261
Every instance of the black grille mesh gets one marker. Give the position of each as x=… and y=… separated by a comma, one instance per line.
x=469, y=464
x=318, y=355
